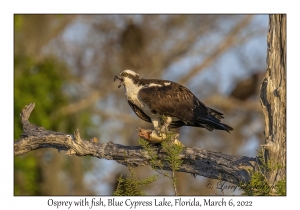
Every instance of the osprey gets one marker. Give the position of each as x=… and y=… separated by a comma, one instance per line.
x=167, y=105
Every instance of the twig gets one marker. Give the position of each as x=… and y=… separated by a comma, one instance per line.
x=231, y=168
x=174, y=182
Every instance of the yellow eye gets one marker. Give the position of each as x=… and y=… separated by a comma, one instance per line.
x=125, y=74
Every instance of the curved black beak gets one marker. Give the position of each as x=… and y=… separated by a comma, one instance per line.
x=116, y=77
x=119, y=78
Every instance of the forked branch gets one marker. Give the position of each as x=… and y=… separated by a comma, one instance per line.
x=232, y=168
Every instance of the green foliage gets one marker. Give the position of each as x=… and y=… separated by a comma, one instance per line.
x=25, y=175
x=258, y=185
x=173, y=151
x=131, y=186
x=155, y=163
x=281, y=187
x=173, y=159
x=18, y=22
x=42, y=82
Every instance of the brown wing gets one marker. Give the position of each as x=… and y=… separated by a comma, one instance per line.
x=173, y=100
x=139, y=112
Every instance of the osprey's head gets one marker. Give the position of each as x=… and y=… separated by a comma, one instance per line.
x=126, y=77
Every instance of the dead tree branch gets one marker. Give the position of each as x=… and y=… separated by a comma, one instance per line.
x=231, y=168
x=273, y=100
x=222, y=47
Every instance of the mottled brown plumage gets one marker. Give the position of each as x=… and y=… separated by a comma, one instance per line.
x=139, y=112
x=153, y=98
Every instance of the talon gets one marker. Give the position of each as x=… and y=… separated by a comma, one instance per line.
x=155, y=137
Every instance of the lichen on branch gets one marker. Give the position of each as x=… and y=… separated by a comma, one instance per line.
x=232, y=168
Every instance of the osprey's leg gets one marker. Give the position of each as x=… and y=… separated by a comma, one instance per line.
x=167, y=121
x=159, y=134
x=156, y=123
x=156, y=133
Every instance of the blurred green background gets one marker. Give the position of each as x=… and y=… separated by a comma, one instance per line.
x=65, y=64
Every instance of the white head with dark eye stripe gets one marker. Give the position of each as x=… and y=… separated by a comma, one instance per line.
x=127, y=77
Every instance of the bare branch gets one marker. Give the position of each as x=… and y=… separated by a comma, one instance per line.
x=27, y=111
x=82, y=103
x=225, y=44
x=231, y=168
